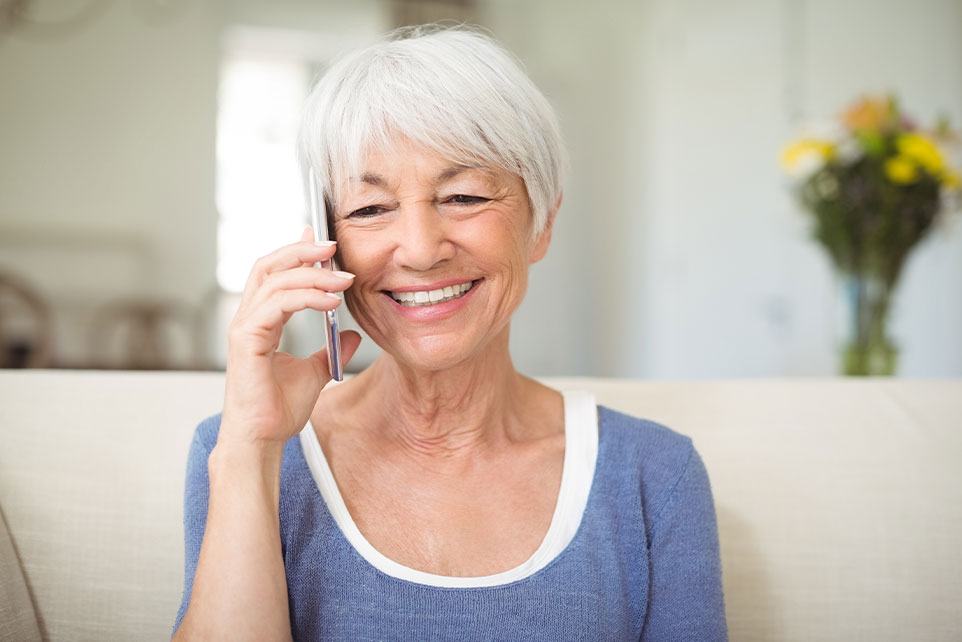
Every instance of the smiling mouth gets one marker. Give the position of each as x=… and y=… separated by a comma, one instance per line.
x=433, y=297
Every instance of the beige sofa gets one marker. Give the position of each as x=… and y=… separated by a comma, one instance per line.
x=839, y=501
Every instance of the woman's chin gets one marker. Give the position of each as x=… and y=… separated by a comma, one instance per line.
x=431, y=353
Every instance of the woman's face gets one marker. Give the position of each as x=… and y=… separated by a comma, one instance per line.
x=441, y=253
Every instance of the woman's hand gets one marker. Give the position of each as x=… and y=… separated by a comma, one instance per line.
x=270, y=395
x=240, y=586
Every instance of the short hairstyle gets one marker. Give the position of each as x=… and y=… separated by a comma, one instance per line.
x=453, y=90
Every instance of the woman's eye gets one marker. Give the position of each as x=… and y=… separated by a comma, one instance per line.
x=365, y=212
x=464, y=199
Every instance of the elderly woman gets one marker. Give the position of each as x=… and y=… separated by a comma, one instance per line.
x=439, y=494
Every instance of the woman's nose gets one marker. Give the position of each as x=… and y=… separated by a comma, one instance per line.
x=422, y=242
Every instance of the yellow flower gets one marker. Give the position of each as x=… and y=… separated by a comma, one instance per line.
x=806, y=152
x=922, y=150
x=901, y=170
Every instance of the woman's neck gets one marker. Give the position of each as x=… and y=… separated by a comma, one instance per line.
x=478, y=405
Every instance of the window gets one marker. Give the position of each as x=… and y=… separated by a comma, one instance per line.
x=260, y=197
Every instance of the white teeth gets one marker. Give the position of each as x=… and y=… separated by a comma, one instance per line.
x=430, y=297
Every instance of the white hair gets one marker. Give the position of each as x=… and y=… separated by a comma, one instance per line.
x=454, y=91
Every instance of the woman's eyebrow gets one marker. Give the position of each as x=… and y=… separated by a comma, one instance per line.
x=373, y=179
x=446, y=174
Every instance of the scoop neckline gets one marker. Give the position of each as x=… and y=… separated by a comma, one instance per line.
x=581, y=449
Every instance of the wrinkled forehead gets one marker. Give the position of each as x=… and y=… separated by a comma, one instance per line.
x=378, y=161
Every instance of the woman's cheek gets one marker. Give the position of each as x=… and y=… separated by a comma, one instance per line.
x=349, y=253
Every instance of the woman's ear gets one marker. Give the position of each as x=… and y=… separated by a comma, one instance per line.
x=544, y=239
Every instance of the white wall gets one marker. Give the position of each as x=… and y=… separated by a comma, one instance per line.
x=107, y=180
x=714, y=229
x=573, y=319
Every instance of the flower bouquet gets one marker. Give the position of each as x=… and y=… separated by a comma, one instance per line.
x=874, y=191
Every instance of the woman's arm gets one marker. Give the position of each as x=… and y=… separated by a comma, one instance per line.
x=239, y=589
x=685, y=595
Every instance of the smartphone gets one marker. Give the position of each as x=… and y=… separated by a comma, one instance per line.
x=319, y=223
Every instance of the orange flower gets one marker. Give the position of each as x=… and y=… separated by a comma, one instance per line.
x=871, y=115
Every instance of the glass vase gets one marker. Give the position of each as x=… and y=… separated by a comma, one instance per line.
x=868, y=350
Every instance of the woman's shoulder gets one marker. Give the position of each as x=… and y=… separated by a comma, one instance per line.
x=643, y=436
x=644, y=448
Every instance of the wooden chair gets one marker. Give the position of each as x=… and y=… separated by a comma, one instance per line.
x=26, y=325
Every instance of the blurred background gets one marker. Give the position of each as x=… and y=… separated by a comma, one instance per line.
x=147, y=159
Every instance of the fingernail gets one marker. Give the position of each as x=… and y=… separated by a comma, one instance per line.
x=325, y=243
x=343, y=274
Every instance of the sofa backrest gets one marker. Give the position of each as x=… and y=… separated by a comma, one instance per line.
x=91, y=483
x=839, y=501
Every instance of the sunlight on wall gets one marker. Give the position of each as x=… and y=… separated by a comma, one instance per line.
x=259, y=190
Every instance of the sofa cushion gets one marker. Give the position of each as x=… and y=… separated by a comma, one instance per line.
x=18, y=622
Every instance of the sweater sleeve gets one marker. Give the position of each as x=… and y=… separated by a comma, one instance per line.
x=196, y=492
x=685, y=600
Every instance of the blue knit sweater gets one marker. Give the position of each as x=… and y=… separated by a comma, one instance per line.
x=643, y=565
